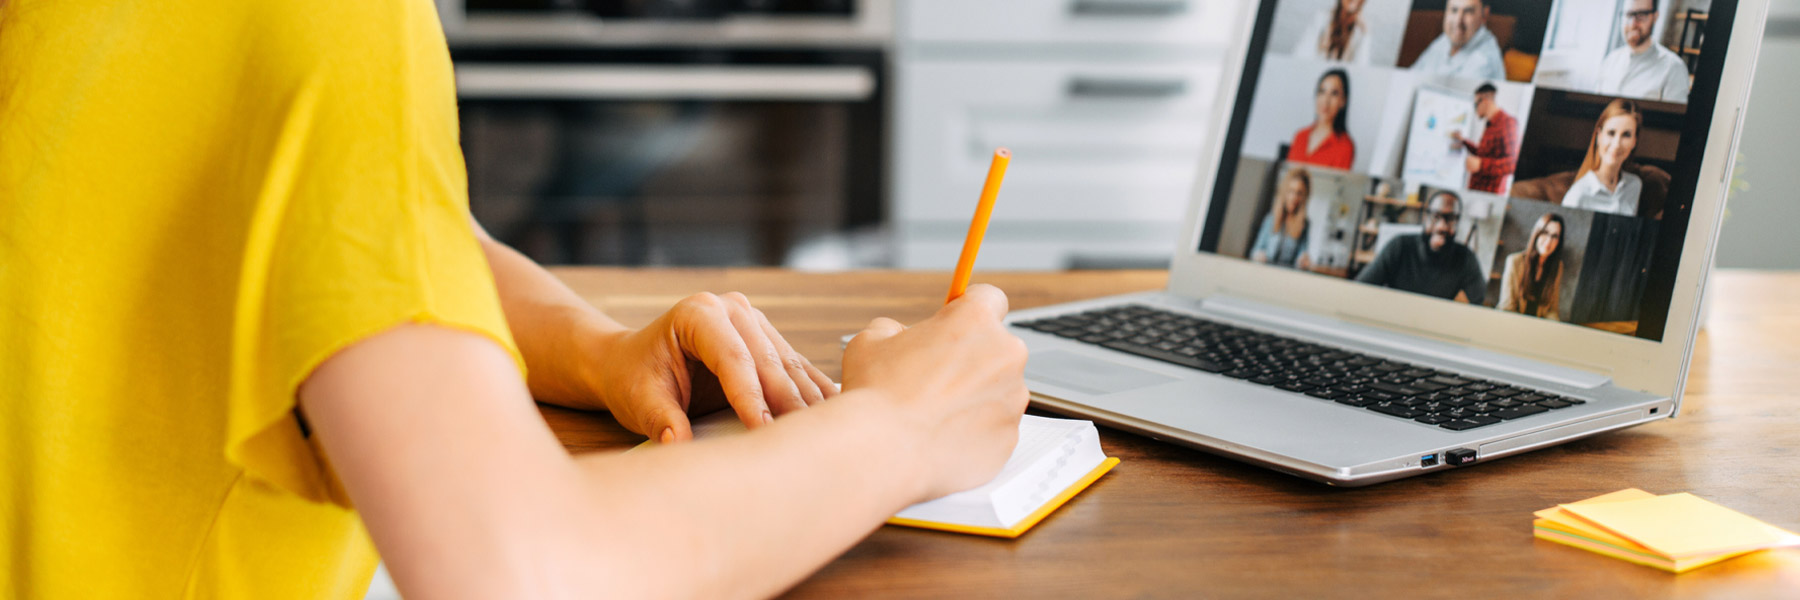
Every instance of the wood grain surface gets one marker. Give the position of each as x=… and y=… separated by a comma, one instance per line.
x=1177, y=523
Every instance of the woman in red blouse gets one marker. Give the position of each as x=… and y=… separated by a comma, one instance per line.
x=1326, y=142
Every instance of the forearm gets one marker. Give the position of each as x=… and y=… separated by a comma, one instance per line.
x=750, y=515
x=554, y=328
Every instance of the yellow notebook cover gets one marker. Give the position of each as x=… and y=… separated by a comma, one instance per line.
x=1024, y=524
x=725, y=423
x=1678, y=525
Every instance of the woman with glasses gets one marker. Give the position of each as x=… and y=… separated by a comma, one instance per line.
x=1532, y=280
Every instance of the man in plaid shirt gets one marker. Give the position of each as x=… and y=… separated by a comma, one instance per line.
x=1491, y=162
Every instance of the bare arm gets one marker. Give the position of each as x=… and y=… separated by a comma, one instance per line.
x=467, y=493
x=708, y=351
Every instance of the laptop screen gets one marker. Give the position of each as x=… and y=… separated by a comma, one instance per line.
x=1531, y=156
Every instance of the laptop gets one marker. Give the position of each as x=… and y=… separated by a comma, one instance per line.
x=1426, y=236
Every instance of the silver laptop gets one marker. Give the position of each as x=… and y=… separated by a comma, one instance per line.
x=1429, y=237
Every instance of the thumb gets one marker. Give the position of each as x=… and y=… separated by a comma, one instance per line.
x=879, y=329
x=666, y=423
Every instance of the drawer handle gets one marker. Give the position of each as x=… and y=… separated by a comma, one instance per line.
x=1095, y=87
x=1128, y=8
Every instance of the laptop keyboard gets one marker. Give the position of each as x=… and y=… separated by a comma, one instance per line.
x=1434, y=397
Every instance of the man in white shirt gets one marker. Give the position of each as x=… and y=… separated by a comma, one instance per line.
x=1643, y=68
x=1466, y=48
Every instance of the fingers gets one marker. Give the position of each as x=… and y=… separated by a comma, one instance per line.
x=814, y=385
x=706, y=331
x=780, y=390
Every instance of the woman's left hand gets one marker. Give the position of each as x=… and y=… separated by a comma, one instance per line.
x=704, y=353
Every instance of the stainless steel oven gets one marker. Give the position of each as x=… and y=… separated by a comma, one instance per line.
x=674, y=132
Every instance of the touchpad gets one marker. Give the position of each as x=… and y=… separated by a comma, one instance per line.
x=1088, y=374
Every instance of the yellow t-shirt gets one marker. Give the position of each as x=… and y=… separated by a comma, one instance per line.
x=200, y=201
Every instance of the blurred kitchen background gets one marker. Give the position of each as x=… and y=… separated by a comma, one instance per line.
x=836, y=134
x=839, y=134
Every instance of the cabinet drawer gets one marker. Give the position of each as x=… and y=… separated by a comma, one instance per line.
x=1096, y=140
x=1108, y=22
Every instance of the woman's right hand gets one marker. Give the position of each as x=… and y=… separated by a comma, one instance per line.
x=956, y=381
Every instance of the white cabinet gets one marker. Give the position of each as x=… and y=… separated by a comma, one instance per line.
x=1066, y=22
x=1104, y=103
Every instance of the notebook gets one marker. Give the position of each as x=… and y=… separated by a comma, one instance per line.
x=1054, y=460
x=1674, y=532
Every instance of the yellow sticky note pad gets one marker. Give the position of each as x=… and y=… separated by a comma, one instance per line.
x=1678, y=525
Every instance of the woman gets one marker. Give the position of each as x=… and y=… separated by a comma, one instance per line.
x=1602, y=184
x=1282, y=238
x=1326, y=142
x=1531, y=282
x=293, y=341
x=1339, y=36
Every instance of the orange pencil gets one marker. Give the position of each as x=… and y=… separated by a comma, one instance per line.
x=978, y=227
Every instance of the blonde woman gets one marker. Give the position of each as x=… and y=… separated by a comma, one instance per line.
x=1282, y=238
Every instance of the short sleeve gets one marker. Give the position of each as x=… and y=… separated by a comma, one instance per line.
x=359, y=220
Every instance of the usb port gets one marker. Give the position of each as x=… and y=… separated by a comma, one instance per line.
x=1429, y=460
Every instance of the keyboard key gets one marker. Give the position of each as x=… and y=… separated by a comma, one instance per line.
x=1395, y=410
x=1431, y=418
x=1293, y=386
x=1357, y=401
x=1553, y=404
x=1325, y=393
x=1449, y=381
x=1398, y=390
x=1468, y=423
x=1571, y=400
x=1148, y=352
x=1521, y=411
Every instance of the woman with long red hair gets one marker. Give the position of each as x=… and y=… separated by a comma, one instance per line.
x=1603, y=184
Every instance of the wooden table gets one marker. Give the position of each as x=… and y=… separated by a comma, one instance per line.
x=1173, y=522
